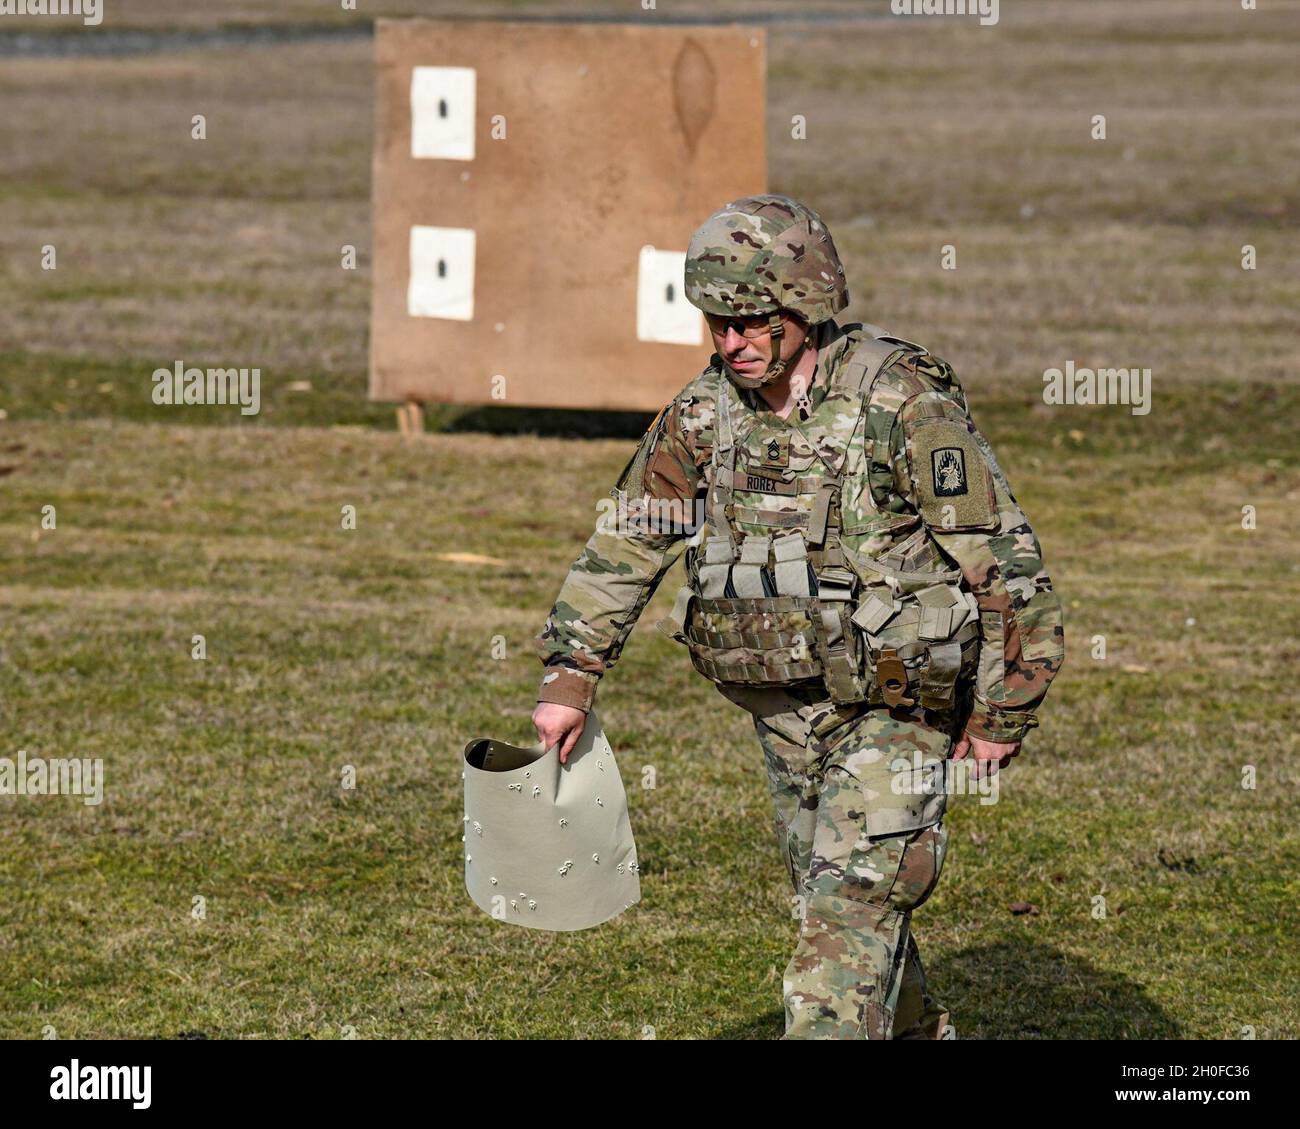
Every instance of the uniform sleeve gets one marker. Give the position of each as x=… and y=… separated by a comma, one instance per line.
x=636, y=541
x=947, y=472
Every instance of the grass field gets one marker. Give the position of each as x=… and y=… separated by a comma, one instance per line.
x=329, y=910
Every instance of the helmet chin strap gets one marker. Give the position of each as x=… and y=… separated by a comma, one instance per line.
x=776, y=367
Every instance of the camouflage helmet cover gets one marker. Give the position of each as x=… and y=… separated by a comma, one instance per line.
x=765, y=253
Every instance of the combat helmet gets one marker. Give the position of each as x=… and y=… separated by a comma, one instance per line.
x=761, y=255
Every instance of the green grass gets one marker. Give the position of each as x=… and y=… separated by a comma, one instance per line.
x=328, y=908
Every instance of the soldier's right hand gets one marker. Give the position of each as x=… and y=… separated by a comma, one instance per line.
x=556, y=724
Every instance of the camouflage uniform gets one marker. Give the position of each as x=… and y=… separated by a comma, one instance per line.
x=883, y=500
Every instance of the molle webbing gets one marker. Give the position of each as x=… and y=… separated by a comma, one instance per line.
x=719, y=495
x=827, y=497
x=864, y=365
x=755, y=674
x=777, y=607
x=774, y=519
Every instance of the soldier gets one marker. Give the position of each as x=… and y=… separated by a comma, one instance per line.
x=861, y=580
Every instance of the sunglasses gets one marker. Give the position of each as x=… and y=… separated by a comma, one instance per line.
x=752, y=327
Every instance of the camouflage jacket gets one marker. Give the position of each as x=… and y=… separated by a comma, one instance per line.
x=898, y=468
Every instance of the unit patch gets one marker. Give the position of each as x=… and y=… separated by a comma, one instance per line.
x=948, y=466
x=954, y=486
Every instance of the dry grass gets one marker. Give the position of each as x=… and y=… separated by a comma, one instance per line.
x=229, y=248
x=329, y=648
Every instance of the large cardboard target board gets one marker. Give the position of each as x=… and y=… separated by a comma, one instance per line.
x=535, y=188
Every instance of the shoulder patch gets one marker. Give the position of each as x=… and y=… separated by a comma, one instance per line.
x=954, y=485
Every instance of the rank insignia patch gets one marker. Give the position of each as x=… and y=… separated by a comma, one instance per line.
x=776, y=451
x=948, y=465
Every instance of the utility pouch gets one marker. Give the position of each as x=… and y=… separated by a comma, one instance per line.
x=920, y=628
x=800, y=632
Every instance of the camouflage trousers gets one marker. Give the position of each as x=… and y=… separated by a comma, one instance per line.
x=864, y=842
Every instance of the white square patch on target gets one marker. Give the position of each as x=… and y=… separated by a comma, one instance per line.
x=442, y=113
x=662, y=312
x=442, y=273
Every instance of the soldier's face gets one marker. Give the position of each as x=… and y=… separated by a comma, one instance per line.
x=746, y=343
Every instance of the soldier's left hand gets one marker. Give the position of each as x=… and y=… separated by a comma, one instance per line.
x=989, y=755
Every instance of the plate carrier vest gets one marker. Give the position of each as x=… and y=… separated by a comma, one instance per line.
x=801, y=607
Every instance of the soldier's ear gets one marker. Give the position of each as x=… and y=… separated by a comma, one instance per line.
x=797, y=329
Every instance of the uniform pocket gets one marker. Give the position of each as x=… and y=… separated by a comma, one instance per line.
x=903, y=824
x=919, y=868
x=879, y=834
x=903, y=799
x=1039, y=622
x=992, y=660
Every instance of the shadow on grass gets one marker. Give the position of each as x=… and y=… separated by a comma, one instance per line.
x=1024, y=990
x=555, y=423
x=1021, y=991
